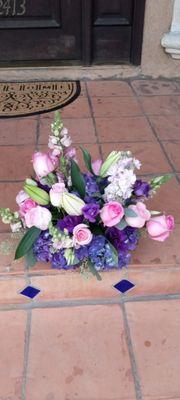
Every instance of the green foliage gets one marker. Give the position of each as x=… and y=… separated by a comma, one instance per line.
x=77, y=178
x=27, y=242
x=94, y=271
x=30, y=258
x=130, y=213
x=156, y=183
x=122, y=224
x=38, y=195
x=87, y=160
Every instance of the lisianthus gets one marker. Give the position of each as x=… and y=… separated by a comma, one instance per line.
x=93, y=219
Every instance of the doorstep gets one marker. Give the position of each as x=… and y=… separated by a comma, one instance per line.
x=69, y=72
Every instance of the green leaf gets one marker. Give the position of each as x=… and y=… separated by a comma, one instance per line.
x=30, y=258
x=122, y=224
x=115, y=253
x=130, y=213
x=27, y=241
x=94, y=271
x=78, y=182
x=155, y=183
x=87, y=160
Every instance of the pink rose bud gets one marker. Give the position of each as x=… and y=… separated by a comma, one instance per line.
x=21, y=197
x=39, y=217
x=82, y=235
x=44, y=163
x=142, y=213
x=112, y=213
x=96, y=166
x=160, y=227
x=26, y=206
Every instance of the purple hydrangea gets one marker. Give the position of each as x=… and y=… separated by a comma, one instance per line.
x=141, y=188
x=90, y=211
x=81, y=253
x=101, y=254
x=69, y=222
x=123, y=240
x=41, y=248
x=59, y=261
x=91, y=185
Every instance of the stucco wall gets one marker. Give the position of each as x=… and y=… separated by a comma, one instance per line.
x=155, y=62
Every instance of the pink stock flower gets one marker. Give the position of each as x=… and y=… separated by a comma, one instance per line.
x=44, y=163
x=142, y=213
x=39, y=217
x=71, y=153
x=96, y=166
x=26, y=206
x=112, y=213
x=160, y=227
x=82, y=235
x=21, y=197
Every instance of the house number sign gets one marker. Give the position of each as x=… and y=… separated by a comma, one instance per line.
x=12, y=8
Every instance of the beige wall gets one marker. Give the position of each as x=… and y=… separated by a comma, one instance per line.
x=155, y=62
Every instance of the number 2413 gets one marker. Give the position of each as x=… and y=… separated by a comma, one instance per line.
x=12, y=7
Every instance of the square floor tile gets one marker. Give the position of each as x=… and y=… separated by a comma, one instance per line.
x=154, y=328
x=79, y=352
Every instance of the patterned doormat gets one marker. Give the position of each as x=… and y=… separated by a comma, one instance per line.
x=27, y=98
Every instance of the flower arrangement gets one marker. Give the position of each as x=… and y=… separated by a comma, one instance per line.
x=93, y=219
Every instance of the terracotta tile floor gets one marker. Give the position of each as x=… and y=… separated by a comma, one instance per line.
x=79, y=339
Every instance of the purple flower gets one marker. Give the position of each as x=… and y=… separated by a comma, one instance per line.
x=91, y=185
x=69, y=222
x=124, y=240
x=141, y=188
x=91, y=211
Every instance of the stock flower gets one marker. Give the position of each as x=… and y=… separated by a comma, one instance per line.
x=90, y=211
x=160, y=227
x=56, y=193
x=142, y=215
x=82, y=235
x=39, y=217
x=112, y=213
x=44, y=163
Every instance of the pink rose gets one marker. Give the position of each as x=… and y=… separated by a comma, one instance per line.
x=112, y=213
x=142, y=213
x=160, y=227
x=56, y=194
x=82, y=235
x=26, y=206
x=39, y=217
x=44, y=163
x=21, y=197
x=96, y=166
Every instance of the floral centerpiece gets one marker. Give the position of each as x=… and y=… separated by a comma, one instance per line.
x=90, y=220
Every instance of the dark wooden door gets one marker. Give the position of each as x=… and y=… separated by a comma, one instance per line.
x=70, y=31
x=40, y=30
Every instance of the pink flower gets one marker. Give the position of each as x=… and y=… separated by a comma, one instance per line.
x=39, y=217
x=21, y=197
x=26, y=206
x=142, y=213
x=96, y=166
x=71, y=153
x=112, y=213
x=160, y=227
x=44, y=163
x=82, y=235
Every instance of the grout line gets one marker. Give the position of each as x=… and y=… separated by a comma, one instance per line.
x=38, y=131
x=26, y=354
x=153, y=130
x=134, y=368
x=121, y=299
x=93, y=120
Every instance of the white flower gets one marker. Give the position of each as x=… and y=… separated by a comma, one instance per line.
x=66, y=141
x=16, y=227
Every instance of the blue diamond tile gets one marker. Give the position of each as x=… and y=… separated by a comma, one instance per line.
x=30, y=291
x=124, y=285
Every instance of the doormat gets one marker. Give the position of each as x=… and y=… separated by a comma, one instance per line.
x=20, y=99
